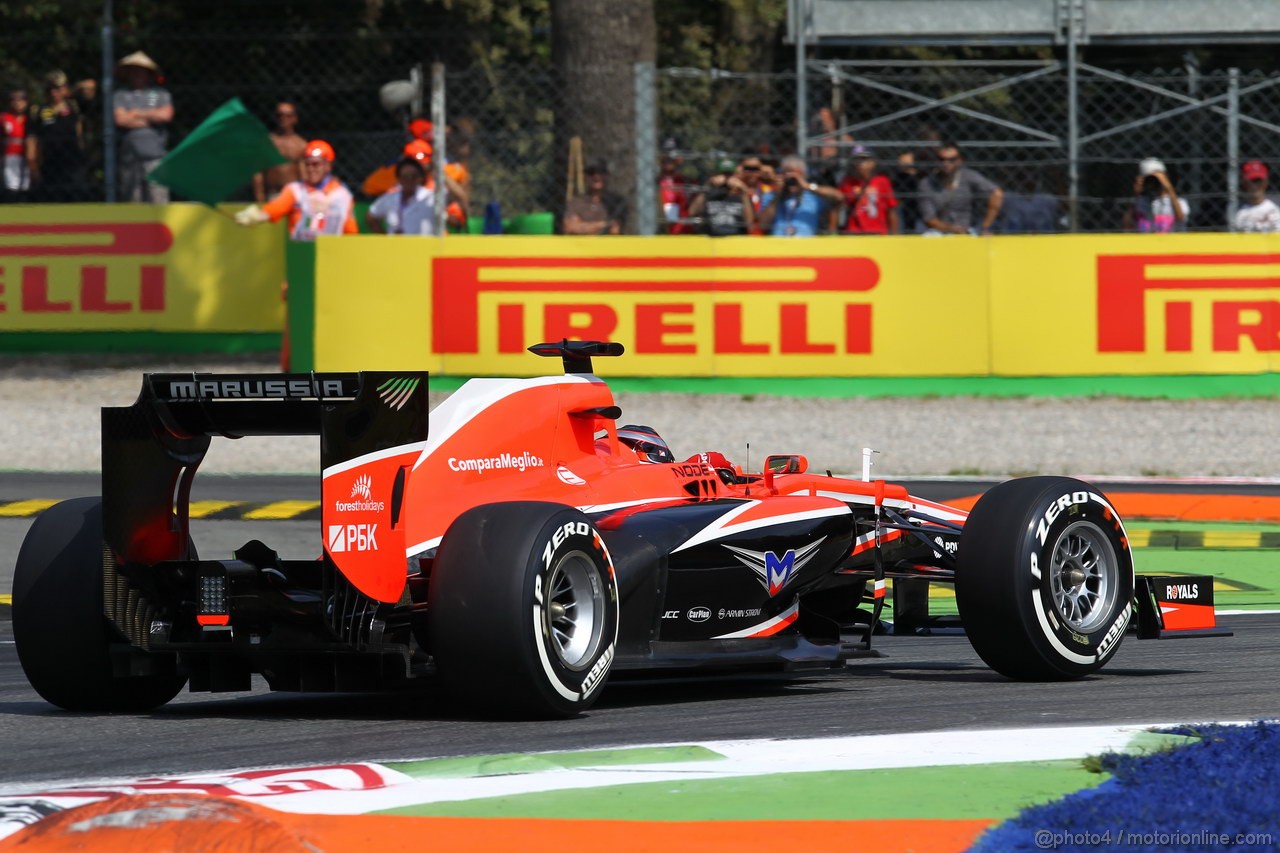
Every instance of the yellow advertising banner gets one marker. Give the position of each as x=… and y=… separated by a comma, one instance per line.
x=1071, y=305
x=140, y=268
x=683, y=306
x=1075, y=304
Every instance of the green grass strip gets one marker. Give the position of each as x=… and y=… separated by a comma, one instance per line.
x=995, y=791
x=1264, y=385
x=515, y=763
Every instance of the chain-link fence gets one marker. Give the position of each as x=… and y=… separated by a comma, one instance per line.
x=1014, y=120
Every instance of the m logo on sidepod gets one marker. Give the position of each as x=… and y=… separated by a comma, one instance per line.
x=773, y=571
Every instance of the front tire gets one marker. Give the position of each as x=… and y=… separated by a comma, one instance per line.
x=1044, y=581
x=63, y=637
x=523, y=610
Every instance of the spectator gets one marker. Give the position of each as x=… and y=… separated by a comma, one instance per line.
x=408, y=209
x=596, y=211
x=947, y=198
x=291, y=146
x=1156, y=207
x=420, y=151
x=869, y=202
x=17, y=177
x=758, y=179
x=795, y=209
x=1257, y=212
x=674, y=190
x=725, y=208
x=906, y=187
x=1028, y=209
x=56, y=145
x=143, y=111
x=384, y=179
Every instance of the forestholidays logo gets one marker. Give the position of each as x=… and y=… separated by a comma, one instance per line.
x=361, y=488
x=396, y=392
x=361, y=497
x=774, y=571
x=502, y=462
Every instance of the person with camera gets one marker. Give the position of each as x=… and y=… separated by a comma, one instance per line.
x=725, y=208
x=871, y=206
x=1156, y=207
x=795, y=209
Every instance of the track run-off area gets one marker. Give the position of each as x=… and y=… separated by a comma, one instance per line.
x=921, y=748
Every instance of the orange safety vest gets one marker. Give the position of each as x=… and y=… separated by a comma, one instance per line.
x=313, y=211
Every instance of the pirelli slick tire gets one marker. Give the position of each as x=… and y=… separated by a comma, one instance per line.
x=1044, y=580
x=523, y=610
x=63, y=639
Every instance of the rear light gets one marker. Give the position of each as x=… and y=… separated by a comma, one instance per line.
x=213, y=612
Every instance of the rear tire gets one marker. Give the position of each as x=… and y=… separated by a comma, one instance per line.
x=1044, y=581
x=63, y=638
x=523, y=613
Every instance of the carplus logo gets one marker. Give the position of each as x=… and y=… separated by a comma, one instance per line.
x=1213, y=303
x=665, y=305
x=773, y=571
x=362, y=487
x=396, y=392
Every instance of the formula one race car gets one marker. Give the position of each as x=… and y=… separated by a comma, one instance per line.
x=526, y=546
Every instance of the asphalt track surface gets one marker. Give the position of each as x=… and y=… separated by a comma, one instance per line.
x=919, y=684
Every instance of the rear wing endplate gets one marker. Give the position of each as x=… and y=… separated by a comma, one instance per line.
x=152, y=449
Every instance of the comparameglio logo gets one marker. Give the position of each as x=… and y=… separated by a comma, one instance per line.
x=773, y=571
x=502, y=462
x=396, y=392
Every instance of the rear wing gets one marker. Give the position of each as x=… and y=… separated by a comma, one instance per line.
x=152, y=449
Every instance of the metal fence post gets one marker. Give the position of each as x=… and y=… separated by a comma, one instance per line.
x=438, y=143
x=802, y=88
x=646, y=148
x=1233, y=146
x=108, y=111
x=1073, y=132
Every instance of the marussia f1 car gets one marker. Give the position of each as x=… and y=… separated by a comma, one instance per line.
x=526, y=546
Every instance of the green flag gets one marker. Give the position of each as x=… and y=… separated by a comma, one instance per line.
x=220, y=156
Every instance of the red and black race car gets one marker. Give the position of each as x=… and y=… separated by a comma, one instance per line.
x=520, y=545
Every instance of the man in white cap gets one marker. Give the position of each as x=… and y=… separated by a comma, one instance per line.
x=142, y=111
x=1156, y=207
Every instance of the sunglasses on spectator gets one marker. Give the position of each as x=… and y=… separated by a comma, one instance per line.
x=955, y=159
x=285, y=113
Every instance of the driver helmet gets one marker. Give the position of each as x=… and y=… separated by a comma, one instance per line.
x=645, y=441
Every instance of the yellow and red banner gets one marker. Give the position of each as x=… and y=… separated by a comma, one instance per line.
x=683, y=306
x=179, y=268
x=892, y=306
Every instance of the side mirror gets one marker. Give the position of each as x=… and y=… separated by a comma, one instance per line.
x=787, y=463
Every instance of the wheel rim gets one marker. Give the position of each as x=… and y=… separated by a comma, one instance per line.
x=1084, y=576
x=574, y=614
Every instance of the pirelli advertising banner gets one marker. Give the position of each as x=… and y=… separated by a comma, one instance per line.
x=842, y=306
x=179, y=269
x=1077, y=304
x=683, y=306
